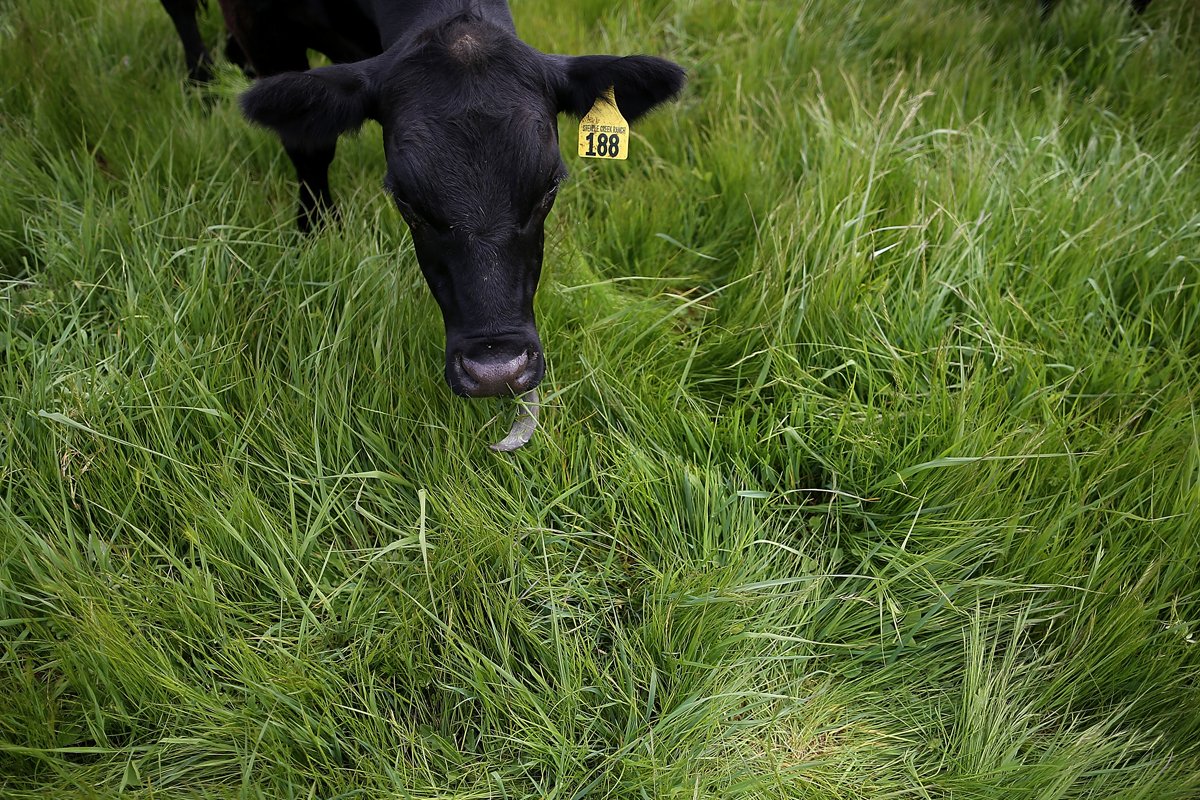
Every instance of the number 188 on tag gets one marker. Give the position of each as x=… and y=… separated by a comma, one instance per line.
x=603, y=132
x=603, y=145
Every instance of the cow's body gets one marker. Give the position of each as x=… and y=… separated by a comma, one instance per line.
x=468, y=115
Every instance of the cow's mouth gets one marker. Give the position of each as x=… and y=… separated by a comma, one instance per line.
x=504, y=366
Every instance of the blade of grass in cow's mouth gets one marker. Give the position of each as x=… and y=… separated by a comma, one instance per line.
x=523, y=426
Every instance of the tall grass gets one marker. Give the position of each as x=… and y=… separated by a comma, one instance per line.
x=870, y=469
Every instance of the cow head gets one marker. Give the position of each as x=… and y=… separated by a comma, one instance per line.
x=468, y=114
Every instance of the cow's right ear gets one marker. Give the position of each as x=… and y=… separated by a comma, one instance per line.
x=640, y=82
x=312, y=109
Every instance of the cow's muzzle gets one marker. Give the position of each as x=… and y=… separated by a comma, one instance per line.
x=495, y=366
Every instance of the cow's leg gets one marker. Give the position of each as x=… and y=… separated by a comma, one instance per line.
x=271, y=56
x=236, y=56
x=312, y=170
x=183, y=15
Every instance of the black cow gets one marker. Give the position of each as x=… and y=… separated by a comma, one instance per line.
x=468, y=113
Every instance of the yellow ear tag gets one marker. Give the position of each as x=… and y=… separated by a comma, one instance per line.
x=603, y=132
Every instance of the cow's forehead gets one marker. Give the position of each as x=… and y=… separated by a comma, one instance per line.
x=470, y=123
x=471, y=43
x=511, y=140
x=472, y=169
x=497, y=94
x=470, y=64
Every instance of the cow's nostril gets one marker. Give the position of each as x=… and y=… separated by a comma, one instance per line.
x=494, y=368
x=489, y=373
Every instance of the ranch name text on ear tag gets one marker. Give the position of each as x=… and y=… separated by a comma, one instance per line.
x=603, y=132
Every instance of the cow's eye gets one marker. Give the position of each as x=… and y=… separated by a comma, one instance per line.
x=409, y=213
x=422, y=220
x=551, y=193
x=539, y=212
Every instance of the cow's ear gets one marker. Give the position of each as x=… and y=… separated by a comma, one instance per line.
x=639, y=82
x=314, y=108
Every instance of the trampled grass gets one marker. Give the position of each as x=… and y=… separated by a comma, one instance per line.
x=870, y=467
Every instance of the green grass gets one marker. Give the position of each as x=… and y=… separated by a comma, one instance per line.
x=870, y=467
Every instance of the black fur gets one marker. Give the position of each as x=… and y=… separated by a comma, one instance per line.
x=311, y=109
x=639, y=83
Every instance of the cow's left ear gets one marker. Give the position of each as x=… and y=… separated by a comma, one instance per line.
x=639, y=82
x=312, y=109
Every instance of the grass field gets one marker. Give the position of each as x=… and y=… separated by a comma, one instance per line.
x=870, y=466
